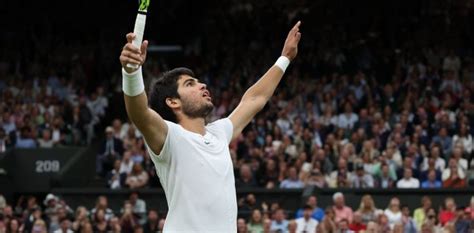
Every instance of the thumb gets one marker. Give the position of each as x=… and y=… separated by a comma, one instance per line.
x=130, y=37
x=298, y=36
x=144, y=47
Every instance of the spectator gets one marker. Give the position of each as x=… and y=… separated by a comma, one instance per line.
x=393, y=212
x=357, y=225
x=462, y=222
x=348, y=118
x=246, y=178
x=128, y=221
x=248, y=203
x=444, y=140
x=464, y=138
x=440, y=163
x=13, y=226
x=453, y=176
x=25, y=140
x=458, y=156
x=241, y=226
x=383, y=223
x=138, y=207
x=115, y=226
x=408, y=223
x=152, y=222
x=372, y=227
x=127, y=163
x=110, y=150
x=340, y=209
x=431, y=167
x=341, y=177
x=46, y=141
x=448, y=213
x=316, y=178
x=99, y=222
x=39, y=226
x=367, y=209
x=279, y=222
x=410, y=163
x=81, y=216
x=329, y=222
x=420, y=214
x=408, y=181
x=138, y=178
x=306, y=223
x=35, y=220
x=255, y=222
x=343, y=226
x=267, y=223
x=102, y=203
x=317, y=213
x=385, y=180
x=362, y=179
x=293, y=227
x=115, y=179
x=292, y=180
x=470, y=208
x=432, y=182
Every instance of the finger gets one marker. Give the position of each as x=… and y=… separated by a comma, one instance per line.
x=130, y=36
x=298, y=36
x=132, y=55
x=144, y=48
x=129, y=60
x=132, y=48
x=297, y=26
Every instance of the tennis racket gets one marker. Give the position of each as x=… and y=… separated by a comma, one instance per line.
x=139, y=26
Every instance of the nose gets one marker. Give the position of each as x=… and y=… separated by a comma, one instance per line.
x=203, y=86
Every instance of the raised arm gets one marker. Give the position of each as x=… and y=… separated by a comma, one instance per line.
x=258, y=95
x=150, y=124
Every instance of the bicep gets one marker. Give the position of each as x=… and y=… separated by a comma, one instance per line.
x=154, y=130
x=150, y=123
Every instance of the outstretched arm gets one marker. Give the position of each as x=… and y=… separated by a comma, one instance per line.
x=150, y=124
x=258, y=95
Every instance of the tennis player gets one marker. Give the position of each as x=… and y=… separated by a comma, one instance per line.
x=191, y=156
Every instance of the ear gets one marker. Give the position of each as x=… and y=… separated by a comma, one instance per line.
x=173, y=103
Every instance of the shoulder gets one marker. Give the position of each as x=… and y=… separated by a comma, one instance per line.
x=224, y=122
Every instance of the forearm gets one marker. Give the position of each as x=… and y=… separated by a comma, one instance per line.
x=136, y=106
x=264, y=88
x=136, y=102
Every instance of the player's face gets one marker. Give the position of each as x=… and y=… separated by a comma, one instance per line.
x=195, y=99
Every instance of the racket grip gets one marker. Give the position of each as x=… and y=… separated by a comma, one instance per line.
x=138, y=31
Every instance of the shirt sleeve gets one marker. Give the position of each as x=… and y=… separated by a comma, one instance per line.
x=164, y=154
x=224, y=128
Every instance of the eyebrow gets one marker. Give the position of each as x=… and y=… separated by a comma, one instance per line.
x=190, y=80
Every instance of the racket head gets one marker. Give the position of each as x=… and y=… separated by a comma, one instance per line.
x=143, y=5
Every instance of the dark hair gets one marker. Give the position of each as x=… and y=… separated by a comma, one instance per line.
x=166, y=87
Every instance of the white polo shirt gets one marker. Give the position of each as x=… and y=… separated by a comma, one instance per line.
x=410, y=183
x=197, y=175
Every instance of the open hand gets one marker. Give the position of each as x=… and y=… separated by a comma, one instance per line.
x=290, y=49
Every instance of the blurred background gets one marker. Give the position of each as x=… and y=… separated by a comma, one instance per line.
x=371, y=127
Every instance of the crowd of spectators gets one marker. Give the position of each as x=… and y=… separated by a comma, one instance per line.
x=47, y=109
x=385, y=104
x=349, y=113
x=53, y=214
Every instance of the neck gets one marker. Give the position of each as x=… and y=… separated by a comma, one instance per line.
x=195, y=125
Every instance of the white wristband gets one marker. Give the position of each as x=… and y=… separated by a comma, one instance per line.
x=132, y=84
x=283, y=63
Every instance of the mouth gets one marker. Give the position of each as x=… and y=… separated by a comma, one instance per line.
x=207, y=95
